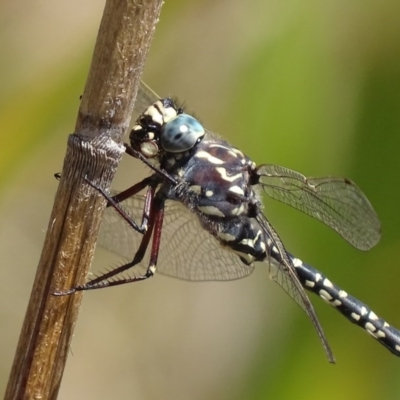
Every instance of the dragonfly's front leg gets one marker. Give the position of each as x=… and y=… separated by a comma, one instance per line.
x=352, y=308
x=115, y=200
x=160, y=172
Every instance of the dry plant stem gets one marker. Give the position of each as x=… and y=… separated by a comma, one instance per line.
x=94, y=150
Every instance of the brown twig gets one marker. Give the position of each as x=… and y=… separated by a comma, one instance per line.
x=94, y=150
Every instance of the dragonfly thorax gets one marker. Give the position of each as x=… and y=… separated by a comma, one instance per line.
x=217, y=186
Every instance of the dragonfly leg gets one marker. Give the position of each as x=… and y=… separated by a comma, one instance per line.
x=353, y=309
x=114, y=201
x=136, y=154
x=107, y=280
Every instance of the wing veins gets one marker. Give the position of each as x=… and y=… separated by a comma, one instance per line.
x=294, y=288
x=337, y=202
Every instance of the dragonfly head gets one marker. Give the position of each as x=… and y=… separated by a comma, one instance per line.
x=165, y=128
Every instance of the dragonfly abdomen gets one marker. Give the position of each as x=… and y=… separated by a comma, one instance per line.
x=353, y=309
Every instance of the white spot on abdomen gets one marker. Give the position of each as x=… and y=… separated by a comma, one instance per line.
x=372, y=316
x=325, y=295
x=355, y=316
x=327, y=283
x=297, y=262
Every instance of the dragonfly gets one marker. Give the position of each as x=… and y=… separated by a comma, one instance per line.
x=201, y=217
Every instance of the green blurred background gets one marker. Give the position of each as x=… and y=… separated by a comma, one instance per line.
x=311, y=85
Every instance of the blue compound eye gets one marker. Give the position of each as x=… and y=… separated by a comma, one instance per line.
x=181, y=134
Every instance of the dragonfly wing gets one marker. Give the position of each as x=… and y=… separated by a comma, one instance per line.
x=144, y=98
x=337, y=202
x=187, y=251
x=282, y=271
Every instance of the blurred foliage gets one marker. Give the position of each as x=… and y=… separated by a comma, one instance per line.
x=314, y=86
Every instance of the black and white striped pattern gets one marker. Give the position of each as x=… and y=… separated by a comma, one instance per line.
x=353, y=309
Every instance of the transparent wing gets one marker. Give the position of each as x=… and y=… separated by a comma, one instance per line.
x=187, y=250
x=144, y=98
x=282, y=271
x=337, y=202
